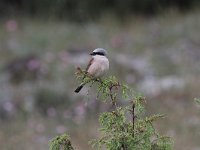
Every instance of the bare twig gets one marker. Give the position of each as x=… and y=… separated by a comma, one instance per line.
x=124, y=147
x=112, y=96
x=133, y=117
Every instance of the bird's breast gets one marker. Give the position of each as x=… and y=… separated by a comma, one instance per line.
x=99, y=66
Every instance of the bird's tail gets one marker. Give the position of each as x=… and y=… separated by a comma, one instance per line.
x=79, y=88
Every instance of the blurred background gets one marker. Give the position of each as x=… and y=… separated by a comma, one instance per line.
x=153, y=46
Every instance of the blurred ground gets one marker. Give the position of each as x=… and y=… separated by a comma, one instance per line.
x=158, y=56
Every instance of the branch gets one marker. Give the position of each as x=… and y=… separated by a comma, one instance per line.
x=133, y=117
x=107, y=85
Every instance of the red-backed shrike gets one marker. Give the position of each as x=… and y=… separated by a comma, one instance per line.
x=97, y=66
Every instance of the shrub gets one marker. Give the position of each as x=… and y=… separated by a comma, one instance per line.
x=125, y=127
x=61, y=142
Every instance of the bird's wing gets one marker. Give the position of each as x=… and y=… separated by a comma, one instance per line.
x=89, y=64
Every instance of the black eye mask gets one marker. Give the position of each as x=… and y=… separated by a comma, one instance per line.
x=97, y=53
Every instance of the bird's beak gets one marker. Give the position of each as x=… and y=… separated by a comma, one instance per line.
x=92, y=54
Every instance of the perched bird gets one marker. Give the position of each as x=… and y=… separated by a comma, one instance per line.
x=97, y=66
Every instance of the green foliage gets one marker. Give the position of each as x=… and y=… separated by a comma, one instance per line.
x=125, y=127
x=61, y=142
x=119, y=132
x=109, y=87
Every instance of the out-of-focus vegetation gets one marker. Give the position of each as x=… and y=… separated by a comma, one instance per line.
x=78, y=10
x=158, y=55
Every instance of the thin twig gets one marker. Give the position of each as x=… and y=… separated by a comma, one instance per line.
x=112, y=97
x=124, y=147
x=133, y=117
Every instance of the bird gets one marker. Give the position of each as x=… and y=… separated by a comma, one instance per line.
x=97, y=66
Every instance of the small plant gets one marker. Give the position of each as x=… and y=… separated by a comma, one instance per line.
x=125, y=127
x=61, y=142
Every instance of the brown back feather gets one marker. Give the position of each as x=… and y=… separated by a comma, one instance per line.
x=89, y=64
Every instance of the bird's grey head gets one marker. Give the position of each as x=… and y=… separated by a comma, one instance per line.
x=99, y=51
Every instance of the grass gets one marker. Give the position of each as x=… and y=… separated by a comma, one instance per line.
x=168, y=43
